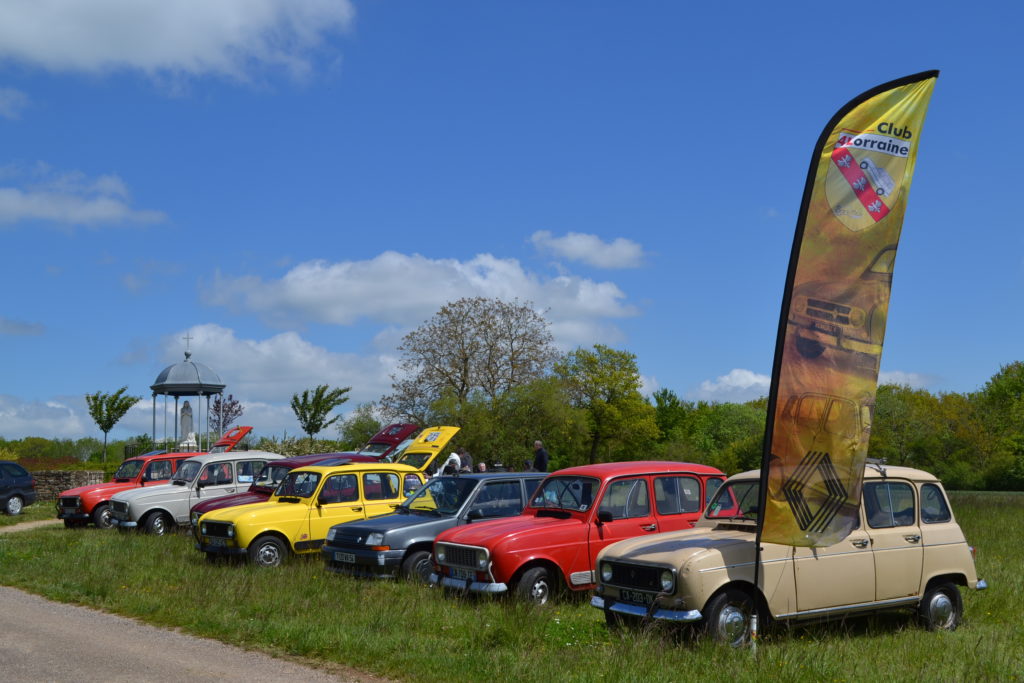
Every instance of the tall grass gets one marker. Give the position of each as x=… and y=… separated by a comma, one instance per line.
x=411, y=632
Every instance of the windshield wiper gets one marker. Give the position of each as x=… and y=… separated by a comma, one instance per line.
x=288, y=499
x=401, y=510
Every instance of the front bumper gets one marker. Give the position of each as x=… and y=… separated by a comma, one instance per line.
x=489, y=587
x=231, y=551
x=632, y=610
x=64, y=513
x=365, y=562
x=123, y=523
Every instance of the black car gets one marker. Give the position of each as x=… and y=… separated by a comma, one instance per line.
x=17, y=487
x=401, y=543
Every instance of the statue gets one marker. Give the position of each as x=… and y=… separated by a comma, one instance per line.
x=186, y=420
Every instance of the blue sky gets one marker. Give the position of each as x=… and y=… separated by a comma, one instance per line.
x=297, y=184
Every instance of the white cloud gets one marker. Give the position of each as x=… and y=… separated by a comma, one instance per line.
x=913, y=380
x=737, y=386
x=404, y=290
x=70, y=199
x=12, y=102
x=591, y=249
x=54, y=419
x=184, y=37
x=19, y=328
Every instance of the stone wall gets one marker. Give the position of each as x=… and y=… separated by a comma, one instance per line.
x=49, y=483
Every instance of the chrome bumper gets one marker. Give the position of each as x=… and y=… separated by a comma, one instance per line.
x=472, y=586
x=126, y=523
x=632, y=610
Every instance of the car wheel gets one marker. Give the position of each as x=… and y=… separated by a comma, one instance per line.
x=158, y=524
x=536, y=586
x=267, y=551
x=941, y=607
x=101, y=516
x=14, y=505
x=727, y=617
x=417, y=566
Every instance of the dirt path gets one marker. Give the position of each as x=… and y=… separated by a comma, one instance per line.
x=42, y=640
x=25, y=526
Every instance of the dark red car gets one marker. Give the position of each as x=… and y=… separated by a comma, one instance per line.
x=388, y=442
x=574, y=514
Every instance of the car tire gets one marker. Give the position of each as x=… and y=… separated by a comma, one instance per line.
x=14, y=505
x=727, y=617
x=417, y=566
x=158, y=524
x=267, y=551
x=536, y=586
x=941, y=608
x=101, y=516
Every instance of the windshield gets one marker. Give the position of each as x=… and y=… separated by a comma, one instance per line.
x=187, y=471
x=416, y=460
x=298, y=484
x=129, y=469
x=443, y=495
x=737, y=499
x=566, y=493
x=271, y=475
x=374, y=448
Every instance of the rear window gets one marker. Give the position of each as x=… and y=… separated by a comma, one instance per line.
x=676, y=495
x=934, y=508
x=13, y=470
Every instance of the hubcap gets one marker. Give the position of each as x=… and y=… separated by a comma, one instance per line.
x=159, y=526
x=732, y=625
x=941, y=610
x=423, y=570
x=539, y=592
x=268, y=555
x=104, y=521
x=14, y=506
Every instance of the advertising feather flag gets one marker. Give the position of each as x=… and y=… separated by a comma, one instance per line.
x=834, y=313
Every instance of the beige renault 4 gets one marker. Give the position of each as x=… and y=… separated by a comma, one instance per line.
x=906, y=552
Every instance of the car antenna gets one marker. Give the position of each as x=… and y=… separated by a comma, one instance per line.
x=878, y=464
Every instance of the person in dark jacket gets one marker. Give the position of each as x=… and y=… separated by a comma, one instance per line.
x=540, y=457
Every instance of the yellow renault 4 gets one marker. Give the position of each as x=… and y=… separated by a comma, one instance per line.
x=306, y=504
x=310, y=500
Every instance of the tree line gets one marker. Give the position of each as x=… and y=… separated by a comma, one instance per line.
x=491, y=368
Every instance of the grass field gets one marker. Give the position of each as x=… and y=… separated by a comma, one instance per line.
x=31, y=513
x=410, y=632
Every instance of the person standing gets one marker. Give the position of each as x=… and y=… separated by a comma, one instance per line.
x=466, y=459
x=540, y=457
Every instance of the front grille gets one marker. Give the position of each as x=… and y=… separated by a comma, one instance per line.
x=119, y=507
x=219, y=529
x=346, y=538
x=69, y=503
x=460, y=556
x=636, y=576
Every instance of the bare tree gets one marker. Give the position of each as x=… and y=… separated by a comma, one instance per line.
x=473, y=344
x=224, y=411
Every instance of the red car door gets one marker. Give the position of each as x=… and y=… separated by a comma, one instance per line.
x=627, y=502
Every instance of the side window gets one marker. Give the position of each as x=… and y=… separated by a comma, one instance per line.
x=711, y=488
x=934, y=508
x=157, y=470
x=177, y=463
x=675, y=495
x=626, y=498
x=380, y=485
x=889, y=504
x=412, y=484
x=531, y=486
x=248, y=469
x=341, y=488
x=500, y=499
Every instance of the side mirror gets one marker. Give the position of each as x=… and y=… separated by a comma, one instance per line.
x=475, y=513
x=604, y=516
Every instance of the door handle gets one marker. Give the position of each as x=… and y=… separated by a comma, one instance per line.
x=860, y=543
x=358, y=509
x=649, y=527
x=912, y=538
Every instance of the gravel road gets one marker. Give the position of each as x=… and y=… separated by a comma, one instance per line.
x=50, y=641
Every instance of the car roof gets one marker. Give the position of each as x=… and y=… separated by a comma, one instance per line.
x=489, y=476
x=312, y=459
x=357, y=467
x=204, y=458
x=871, y=471
x=608, y=470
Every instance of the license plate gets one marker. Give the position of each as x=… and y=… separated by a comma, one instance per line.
x=345, y=557
x=217, y=542
x=463, y=574
x=636, y=597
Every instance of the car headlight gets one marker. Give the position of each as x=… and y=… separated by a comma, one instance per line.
x=376, y=538
x=195, y=518
x=440, y=553
x=606, y=572
x=331, y=533
x=231, y=530
x=202, y=528
x=668, y=582
x=481, y=559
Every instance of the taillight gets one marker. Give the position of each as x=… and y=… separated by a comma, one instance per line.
x=974, y=552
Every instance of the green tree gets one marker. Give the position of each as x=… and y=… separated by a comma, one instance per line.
x=313, y=410
x=356, y=429
x=107, y=409
x=606, y=383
